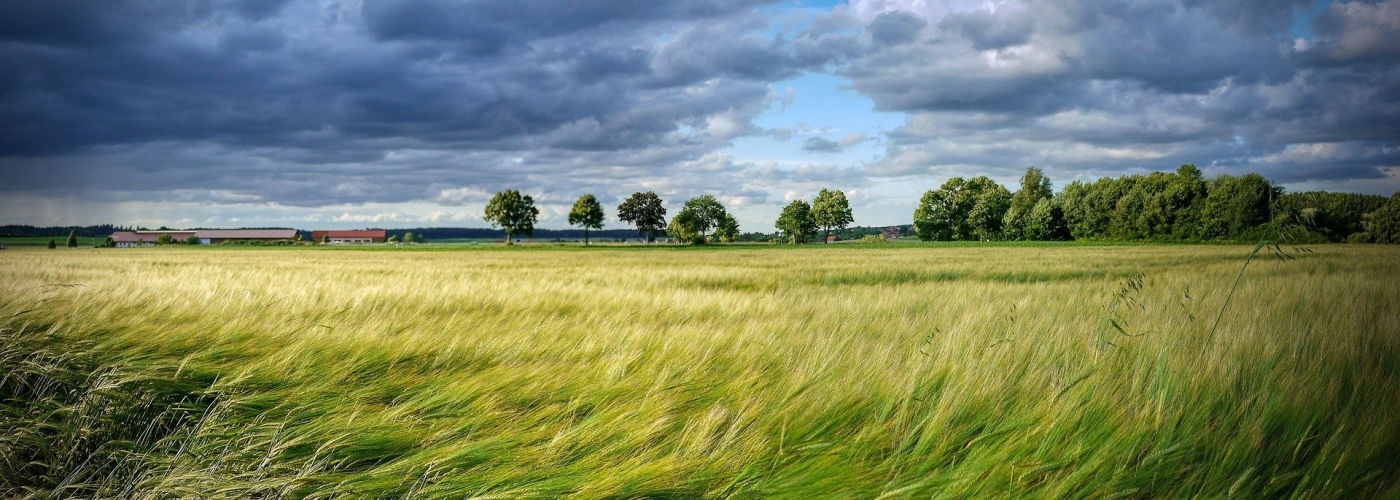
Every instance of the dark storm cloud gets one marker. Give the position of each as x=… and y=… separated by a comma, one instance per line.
x=1104, y=87
x=311, y=104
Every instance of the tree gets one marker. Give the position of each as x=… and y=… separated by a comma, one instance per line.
x=687, y=226
x=73, y=238
x=940, y=211
x=728, y=229
x=796, y=222
x=644, y=210
x=418, y=238
x=53, y=243
x=708, y=212
x=297, y=238
x=514, y=213
x=586, y=213
x=989, y=202
x=192, y=240
x=1034, y=187
x=1236, y=206
x=165, y=239
x=325, y=239
x=1046, y=222
x=393, y=238
x=830, y=210
x=109, y=242
x=1383, y=225
x=407, y=237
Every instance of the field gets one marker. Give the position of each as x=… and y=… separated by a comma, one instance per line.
x=39, y=241
x=849, y=372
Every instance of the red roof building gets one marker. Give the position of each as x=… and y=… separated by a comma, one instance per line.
x=349, y=236
x=206, y=236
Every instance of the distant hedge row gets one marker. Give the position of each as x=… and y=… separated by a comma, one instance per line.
x=1161, y=206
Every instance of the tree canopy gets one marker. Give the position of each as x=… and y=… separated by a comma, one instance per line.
x=796, y=222
x=830, y=210
x=645, y=211
x=587, y=213
x=513, y=212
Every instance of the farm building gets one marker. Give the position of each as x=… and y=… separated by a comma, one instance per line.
x=125, y=239
x=206, y=236
x=349, y=237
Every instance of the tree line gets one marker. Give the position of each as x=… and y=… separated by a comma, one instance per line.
x=700, y=220
x=1161, y=206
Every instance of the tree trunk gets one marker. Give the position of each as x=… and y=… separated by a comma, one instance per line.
x=507, y=238
x=826, y=237
x=585, y=236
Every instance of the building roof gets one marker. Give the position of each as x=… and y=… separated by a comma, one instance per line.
x=248, y=234
x=151, y=236
x=357, y=233
x=219, y=234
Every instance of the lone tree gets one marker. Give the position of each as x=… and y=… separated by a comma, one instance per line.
x=796, y=221
x=418, y=238
x=325, y=239
x=165, y=239
x=514, y=213
x=393, y=238
x=73, y=239
x=53, y=243
x=408, y=237
x=586, y=213
x=830, y=210
x=644, y=210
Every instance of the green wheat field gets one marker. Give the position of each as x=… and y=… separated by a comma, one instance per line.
x=812, y=372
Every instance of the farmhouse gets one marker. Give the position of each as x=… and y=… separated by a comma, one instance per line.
x=349, y=237
x=206, y=236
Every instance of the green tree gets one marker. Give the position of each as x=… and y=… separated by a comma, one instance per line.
x=72, y=238
x=192, y=240
x=940, y=211
x=796, y=222
x=53, y=243
x=831, y=211
x=708, y=210
x=418, y=238
x=325, y=239
x=514, y=213
x=1034, y=187
x=645, y=211
x=393, y=238
x=1046, y=222
x=1235, y=207
x=109, y=243
x=688, y=226
x=989, y=202
x=407, y=237
x=586, y=213
x=728, y=229
x=165, y=239
x=1383, y=225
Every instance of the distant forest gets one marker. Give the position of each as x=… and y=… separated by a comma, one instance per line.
x=1161, y=206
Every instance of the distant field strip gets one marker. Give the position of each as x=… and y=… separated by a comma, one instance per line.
x=796, y=372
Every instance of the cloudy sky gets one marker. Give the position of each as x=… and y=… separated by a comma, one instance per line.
x=390, y=113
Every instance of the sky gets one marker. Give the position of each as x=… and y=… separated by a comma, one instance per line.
x=391, y=113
